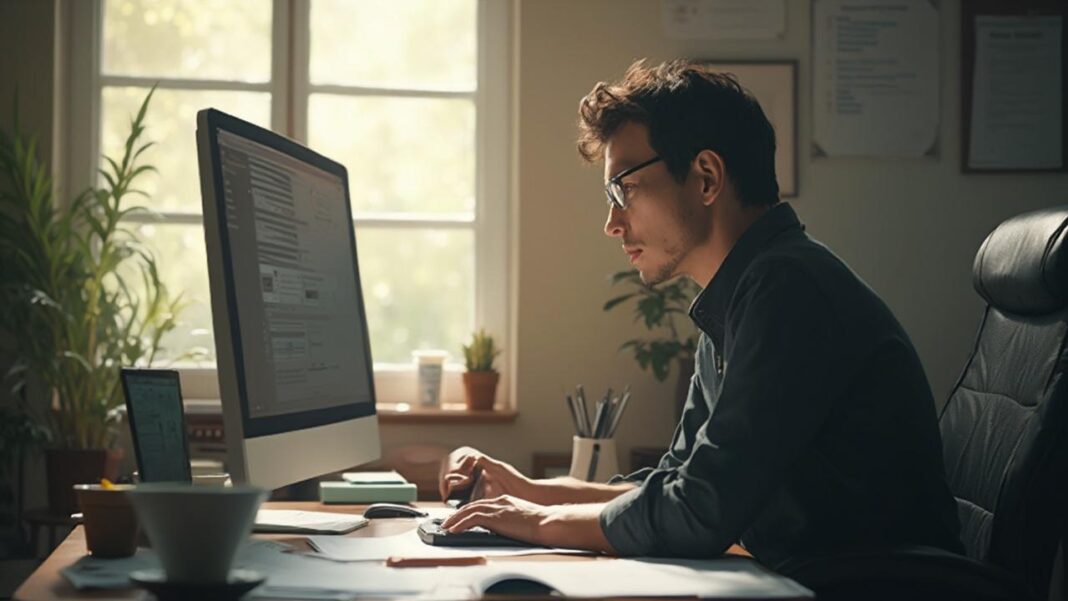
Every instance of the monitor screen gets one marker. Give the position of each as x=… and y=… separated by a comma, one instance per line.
x=290, y=326
x=290, y=247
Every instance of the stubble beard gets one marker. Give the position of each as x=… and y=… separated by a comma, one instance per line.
x=692, y=231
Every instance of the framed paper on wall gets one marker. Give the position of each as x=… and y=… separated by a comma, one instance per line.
x=1014, y=83
x=774, y=84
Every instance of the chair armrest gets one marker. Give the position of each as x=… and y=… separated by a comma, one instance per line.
x=904, y=572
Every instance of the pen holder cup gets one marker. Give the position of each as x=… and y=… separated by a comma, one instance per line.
x=593, y=459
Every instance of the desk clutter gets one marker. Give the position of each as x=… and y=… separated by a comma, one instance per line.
x=290, y=574
x=201, y=548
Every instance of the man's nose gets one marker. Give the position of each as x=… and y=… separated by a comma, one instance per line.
x=614, y=226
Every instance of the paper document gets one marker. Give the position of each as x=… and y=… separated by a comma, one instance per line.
x=292, y=575
x=735, y=578
x=408, y=544
x=1017, y=101
x=723, y=19
x=290, y=521
x=298, y=575
x=875, y=78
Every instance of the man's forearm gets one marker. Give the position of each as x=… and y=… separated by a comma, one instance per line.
x=568, y=490
x=575, y=527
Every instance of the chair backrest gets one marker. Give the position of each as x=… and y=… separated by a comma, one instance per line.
x=1004, y=427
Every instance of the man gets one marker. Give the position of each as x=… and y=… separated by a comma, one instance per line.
x=809, y=427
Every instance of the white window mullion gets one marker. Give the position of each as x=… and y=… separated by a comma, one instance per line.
x=83, y=141
x=167, y=83
x=300, y=53
x=493, y=164
x=340, y=90
x=281, y=66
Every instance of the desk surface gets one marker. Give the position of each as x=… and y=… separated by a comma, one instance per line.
x=47, y=582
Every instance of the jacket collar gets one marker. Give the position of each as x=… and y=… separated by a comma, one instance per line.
x=709, y=308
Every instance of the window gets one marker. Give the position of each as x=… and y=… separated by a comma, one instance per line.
x=410, y=95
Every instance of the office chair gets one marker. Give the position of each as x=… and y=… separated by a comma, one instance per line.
x=1004, y=439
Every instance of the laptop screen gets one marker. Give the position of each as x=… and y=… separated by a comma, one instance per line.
x=157, y=424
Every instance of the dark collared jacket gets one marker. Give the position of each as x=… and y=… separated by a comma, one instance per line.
x=809, y=427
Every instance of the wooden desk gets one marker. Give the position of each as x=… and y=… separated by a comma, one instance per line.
x=48, y=583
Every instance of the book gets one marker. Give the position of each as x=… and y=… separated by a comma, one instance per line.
x=390, y=477
x=348, y=492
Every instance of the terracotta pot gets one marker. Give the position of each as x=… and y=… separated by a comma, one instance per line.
x=66, y=467
x=481, y=389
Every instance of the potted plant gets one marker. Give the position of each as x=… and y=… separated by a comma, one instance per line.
x=82, y=297
x=480, y=379
x=656, y=307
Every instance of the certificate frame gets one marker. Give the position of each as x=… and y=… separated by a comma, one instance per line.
x=774, y=84
x=970, y=11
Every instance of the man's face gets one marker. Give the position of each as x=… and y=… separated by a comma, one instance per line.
x=664, y=220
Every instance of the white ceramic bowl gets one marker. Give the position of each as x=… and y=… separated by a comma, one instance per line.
x=196, y=530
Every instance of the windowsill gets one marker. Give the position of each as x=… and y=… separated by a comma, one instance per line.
x=458, y=413
x=397, y=413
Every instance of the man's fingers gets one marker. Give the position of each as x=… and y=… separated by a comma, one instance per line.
x=455, y=481
x=481, y=517
x=495, y=504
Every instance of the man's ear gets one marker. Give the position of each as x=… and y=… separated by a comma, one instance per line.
x=711, y=175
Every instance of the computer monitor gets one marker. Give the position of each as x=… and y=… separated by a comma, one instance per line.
x=294, y=358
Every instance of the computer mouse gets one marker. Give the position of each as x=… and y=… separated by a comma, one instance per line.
x=392, y=510
x=519, y=586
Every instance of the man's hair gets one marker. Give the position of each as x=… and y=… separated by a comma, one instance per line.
x=687, y=109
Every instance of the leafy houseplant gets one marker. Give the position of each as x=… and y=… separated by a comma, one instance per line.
x=69, y=279
x=657, y=307
x=480, y=379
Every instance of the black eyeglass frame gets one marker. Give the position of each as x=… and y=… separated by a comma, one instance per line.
x=613, y=190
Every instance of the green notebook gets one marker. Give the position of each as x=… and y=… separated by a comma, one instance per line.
x=347, y=492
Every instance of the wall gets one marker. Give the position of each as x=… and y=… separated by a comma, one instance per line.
x=910, y=228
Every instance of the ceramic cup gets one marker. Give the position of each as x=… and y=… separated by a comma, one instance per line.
x=593, y=459
x=196, y=530
x=109, y=519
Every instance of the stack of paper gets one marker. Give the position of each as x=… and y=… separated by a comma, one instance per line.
x=291, y=521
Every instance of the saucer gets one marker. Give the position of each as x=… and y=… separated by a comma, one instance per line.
x=237, y=584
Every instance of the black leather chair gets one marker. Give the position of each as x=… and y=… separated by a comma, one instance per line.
x=1004, y=439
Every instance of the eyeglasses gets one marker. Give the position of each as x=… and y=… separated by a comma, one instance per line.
x=614, y=188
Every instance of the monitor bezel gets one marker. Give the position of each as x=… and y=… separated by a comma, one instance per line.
x=214, y=121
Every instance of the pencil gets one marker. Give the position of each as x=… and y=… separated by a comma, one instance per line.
x=433, y=562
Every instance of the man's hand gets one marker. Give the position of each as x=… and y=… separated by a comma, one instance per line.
x=567, y=526
x=496, y=477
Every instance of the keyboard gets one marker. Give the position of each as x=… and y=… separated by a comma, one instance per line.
x=431, y=533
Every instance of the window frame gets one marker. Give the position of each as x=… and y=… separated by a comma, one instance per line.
x=289, y=90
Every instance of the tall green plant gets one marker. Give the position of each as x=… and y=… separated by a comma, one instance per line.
x=82, y=294
x=656, y=307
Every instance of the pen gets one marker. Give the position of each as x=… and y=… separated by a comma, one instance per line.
x=598, y=419
x=574, y=414
x=619, y=412
x=584, y=415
